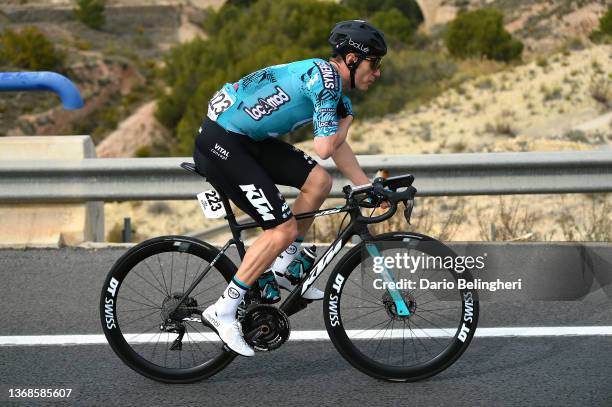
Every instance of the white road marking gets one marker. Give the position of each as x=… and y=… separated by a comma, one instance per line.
x=66, y=340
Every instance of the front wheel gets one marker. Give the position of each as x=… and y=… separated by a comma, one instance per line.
x=139, y=312
x=361, y=307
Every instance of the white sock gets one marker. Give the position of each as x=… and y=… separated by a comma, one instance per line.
x=286, y=257
x=227, y=305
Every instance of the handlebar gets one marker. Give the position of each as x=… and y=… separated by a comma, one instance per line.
x=383, y=190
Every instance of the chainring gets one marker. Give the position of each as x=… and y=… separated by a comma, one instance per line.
x=265, y=327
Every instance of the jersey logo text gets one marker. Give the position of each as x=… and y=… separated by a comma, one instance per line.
x=330, y=79
x=268, y=105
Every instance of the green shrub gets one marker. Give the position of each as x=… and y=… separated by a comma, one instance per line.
x=605, y=22
x=29, y=49
x=604, y=33
x=394, y=24
x=481, y=33
x=91, y=13
x=242, y=40
x=368, y=8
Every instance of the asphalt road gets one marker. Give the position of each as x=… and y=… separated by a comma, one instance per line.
x=48, y=291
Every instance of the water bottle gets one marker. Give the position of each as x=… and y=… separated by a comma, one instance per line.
x=301, y=265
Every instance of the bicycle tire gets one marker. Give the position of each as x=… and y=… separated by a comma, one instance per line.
x=130, y=272
x=353, y=345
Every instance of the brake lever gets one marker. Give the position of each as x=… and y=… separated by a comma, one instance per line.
x=409, y=205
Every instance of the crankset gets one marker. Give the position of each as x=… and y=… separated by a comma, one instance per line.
x=265, y=327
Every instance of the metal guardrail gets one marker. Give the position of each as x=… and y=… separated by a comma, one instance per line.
x=436, y=174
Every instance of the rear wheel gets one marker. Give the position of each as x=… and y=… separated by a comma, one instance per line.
x=138, y=297
x=366, y=328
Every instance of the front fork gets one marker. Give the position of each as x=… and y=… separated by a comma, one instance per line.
x=400, y=304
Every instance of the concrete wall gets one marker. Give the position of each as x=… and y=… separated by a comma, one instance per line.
x=49, y=224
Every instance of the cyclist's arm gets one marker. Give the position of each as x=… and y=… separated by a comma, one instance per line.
x=347, y=163
x=326, y=146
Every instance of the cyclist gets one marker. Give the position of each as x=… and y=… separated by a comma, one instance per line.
x=238, y=149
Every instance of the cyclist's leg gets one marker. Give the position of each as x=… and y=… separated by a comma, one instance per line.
x=312, y=195
x=233, y=162
x=227, y=161
x=288, y=165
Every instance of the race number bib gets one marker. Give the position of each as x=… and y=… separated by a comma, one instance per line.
x=219, y=103
x=211, y=204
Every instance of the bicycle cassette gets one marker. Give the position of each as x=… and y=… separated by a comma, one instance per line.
x=265, y=327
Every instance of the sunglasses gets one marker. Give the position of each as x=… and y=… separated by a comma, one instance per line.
x=375, y=62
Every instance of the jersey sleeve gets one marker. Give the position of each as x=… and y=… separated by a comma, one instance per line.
x=323, y=85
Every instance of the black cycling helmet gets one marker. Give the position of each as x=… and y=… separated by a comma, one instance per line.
x=359, y=37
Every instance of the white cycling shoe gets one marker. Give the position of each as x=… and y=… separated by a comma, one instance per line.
x=313, y=293
x=229, y=332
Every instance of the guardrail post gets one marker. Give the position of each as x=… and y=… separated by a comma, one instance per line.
x=127, y=230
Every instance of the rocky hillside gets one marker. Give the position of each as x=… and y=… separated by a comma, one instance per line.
x=559, y=102
x=114, y=68
x=560, y=98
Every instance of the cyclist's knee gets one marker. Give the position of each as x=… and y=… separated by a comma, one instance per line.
x=319, y=181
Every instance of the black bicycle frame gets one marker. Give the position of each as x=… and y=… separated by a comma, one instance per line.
x=294, y=302
x=291, y=303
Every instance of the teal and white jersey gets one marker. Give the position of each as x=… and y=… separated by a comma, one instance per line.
x=279, y=99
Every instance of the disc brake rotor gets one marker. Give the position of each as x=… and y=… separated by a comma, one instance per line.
x=391, y=309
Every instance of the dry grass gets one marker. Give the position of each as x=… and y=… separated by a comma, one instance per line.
x=590, y=222
x=601, y=91
x=440, y=217
x=512, y=222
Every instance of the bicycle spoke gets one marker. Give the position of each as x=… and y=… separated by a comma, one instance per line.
x=373, y=326
x=132, y=336
x=191, y=343
x=139, y=318
x=380, y=304
x=156, y=279
x=431, y=337
x=440, y=315
x=364, y=290
x=155, y=347
x=138, y=302
x=439, y=299
x=171, y=269
x=137, y=309
x=390, y=342
x=202, y=334
x=195, y=342
x=381, y=339
x=162, y=274
x=153, y=303
x=208, y=288
x=186, y=271
x=147, y=281
x=417, y=337
x=360, y=316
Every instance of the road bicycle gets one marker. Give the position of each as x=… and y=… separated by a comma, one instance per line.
x=378, y=313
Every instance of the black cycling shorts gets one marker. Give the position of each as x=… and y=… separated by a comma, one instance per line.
x=247, y=170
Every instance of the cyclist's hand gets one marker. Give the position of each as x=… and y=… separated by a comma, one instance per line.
x=385, y=205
